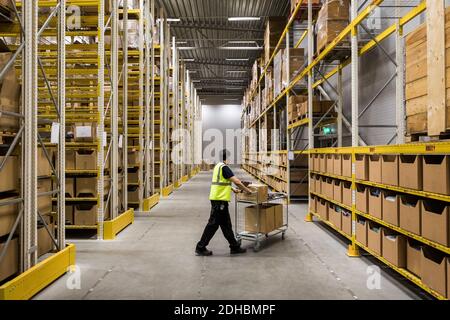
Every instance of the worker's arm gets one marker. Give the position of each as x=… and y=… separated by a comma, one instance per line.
x=239, y=184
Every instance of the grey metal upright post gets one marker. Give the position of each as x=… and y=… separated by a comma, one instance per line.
x=340, y=106
x=147, y=189
x=141, y=103
x=114, y=205
x=61, y=166
x=29, y=148
x=355, y=76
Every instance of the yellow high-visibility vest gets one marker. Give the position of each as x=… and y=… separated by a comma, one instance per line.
x=220, y=187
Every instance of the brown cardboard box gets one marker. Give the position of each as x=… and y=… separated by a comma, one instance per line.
x=327, y=31
x=85, y=132
x=86, y=159
x=9, y=175
x=347, y=165
x=263, y=223
x=323, y=163
x=70, y=187
x=45, y=243
x=436, y=174
x=8, y=215
x=433, y=271
x=323, y=185
x=260, y=196
x=414, y=257
x=374, y=242
x=296, y=64
x=43, y=166
x=133, y=176
x=361, y=230
x=133, y=194
x=335, y=216
x=85, y=214
x=44, y=201
x=312, y=183
x=375, y=168
x=10, y=91
x=316, y=159
x=375, y=203
x=336, y=10
x=347, y=193
x=304, y=4
x=278, y=215
x=411, y=214
x=337, y=190
x=394, y=248
x=329, y=188
x=361, y=165
x=448, y=277
x=313, y=203
x=87, y=187
x=10, y=262
x=297, y=189
x=362, y=200
x=133, y=158
x=311, y=163
x=70, y=215
x=330, y=163
x=410, y=171
x=391, y=212
x=337, y=164
x=322, y=208
x=318, y=184
x=346, y=222
x=389, y=169
x=70, y=159
x=436, y=221
x=274, y=29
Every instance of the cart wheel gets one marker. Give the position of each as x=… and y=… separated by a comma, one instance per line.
x=283, y=236
x=257, y=247
x=239, y=241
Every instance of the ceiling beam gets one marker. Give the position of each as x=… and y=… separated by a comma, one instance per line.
x=218, y=63
x=213, y=27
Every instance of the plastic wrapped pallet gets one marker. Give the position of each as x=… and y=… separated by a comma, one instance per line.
x=277, y=73
x=296, y=65
x=332, y=20
x=274, y=29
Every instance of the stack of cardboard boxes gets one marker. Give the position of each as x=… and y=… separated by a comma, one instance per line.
x=274, y=30
x=333, y=19
x=282, y=75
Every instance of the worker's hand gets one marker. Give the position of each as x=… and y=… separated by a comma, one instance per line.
x=237, y=190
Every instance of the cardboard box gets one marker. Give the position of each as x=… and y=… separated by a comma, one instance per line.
x=44, y=169
x=323, y=185
x=10, y=262
x=8, y=215
x=297, y=189
x=347, y=165
x=10, y=91
x=318, y=184
x=375, y=168
x=45, y=243
x=70, y=159
x=70, y=187
x=85, y=132
x=337, y=190
x=296, y=64
x=86, y=159
x=434, y=272
x=313, y=203
x=389, y=170
x=436, y=174
x=346, y=222
x=260, y=196
x=361, y=165
x=133, y=158
x=263, y=223
x=374, y=237
x=9, y=175
x=44, y=201
x=375, y=203
x=436, y=222
x=133, y=194
x=362, y=198
x=337, y=164
x=322, y=208
x=312, y=183
x=411, y=214
x=335, y=216
x=347, y=193
x=410, y=172
x=70, y=219
x=85, y=214
x=133, y=176
x=361, y=230
x=330, y=163
x=414, y=257
x=329, y=188
x=278, y=215
x=316, y=160
x=391, y=211
x=311, y=163
x=273, y=31
x=394, y=248
x=327, y=31
x=322, y=163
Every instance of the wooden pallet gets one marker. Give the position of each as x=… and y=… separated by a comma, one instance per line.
x=6, y=137
x=424, y=137
x=302, y=14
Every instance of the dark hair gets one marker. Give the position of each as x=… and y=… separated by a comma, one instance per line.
x=224, y=154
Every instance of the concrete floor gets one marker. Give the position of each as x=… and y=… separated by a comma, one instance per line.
x=154, y=259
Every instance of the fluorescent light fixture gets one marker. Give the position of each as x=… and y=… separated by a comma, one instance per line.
x=241, y=42
x=191, y=72
x=189, y=60
x=186, y=48
x=233, y=81
x=196, y=81
x=233, y=88
x=237, y=59
x=231, y=99
x=237, y=71
x=244, y=18
x=173, y=19
x=181, y=42
x=241, y=48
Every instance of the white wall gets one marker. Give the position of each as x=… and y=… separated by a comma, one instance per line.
x=218, y=122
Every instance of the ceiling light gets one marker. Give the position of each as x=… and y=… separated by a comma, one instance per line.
x=173, y=19
x=244, y=18
x=186, y=48
x=231, y=99
x=233, y=88
x=241, y=48
x=237, y=59
x=241, y=42
x=232, y=81
x=181, y=42
x=196, y=81
x=237, y=71
x=191, y=72
x=189, y=60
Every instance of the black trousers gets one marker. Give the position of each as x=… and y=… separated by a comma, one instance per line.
x=220, y=217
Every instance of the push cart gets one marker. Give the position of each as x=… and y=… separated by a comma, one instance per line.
x=256, y=235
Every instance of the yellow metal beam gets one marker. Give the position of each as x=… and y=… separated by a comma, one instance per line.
x=32, y=281
x=113, y=227
x=166, y=191
x=150, y=202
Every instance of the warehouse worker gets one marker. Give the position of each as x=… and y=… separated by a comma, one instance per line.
x=220, y=196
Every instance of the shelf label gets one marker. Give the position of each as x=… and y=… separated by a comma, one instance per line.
x=55, y=133
x=291, y=155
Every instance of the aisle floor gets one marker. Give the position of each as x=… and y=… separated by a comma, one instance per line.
x=154, y=259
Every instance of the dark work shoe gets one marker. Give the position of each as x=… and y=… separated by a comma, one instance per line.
x=203, y=252
x=237, y=250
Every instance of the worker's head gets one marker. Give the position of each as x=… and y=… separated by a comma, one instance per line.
x=224, y=155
